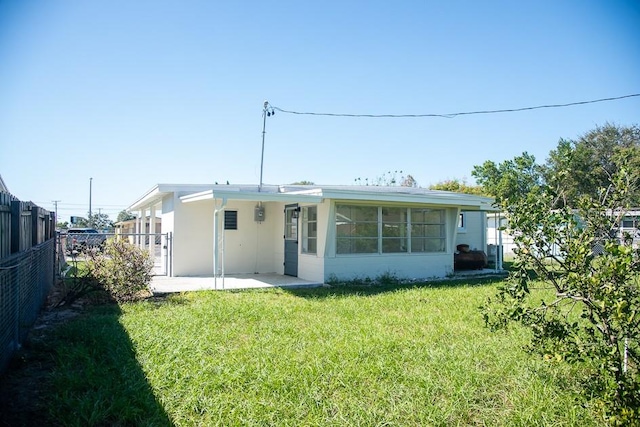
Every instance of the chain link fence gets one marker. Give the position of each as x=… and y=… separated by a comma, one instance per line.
x=26, y=278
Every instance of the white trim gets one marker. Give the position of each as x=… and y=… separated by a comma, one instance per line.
x=316, y=194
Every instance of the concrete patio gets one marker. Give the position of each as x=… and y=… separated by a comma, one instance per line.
x=164, y=284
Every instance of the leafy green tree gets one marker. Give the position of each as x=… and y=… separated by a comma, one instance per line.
x=303, y=182
x=125, y=215
x=511, y=178
x=62, y=225
x=584, y=166
x=458, y=186
x=98, y=221
x=575, y=282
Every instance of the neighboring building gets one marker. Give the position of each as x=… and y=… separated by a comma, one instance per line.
x=630, y=224
x=313, y=232
x=130, y=228
x=497, y=237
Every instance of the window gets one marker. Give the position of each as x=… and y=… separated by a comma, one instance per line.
x=309, y=230
x=394, y=230
x=629, y=222
x=230, y=220
x=461, y=222
x=427, y=230
x=356, y=229
x=373, y=229
x=291, y=222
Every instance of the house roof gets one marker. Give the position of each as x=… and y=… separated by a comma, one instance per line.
x=313, y=193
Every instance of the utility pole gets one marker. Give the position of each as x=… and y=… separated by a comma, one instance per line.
x=55, y=204
x=267, y=111
x=90, y=216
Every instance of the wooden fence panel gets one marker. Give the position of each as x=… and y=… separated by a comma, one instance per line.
x=23, y=225
x=5, y=224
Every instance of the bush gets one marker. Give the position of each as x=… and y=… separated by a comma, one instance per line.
x=122, y=269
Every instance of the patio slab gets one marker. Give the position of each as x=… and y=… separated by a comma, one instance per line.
x=164, y=284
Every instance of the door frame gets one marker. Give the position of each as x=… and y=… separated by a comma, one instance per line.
x=291, y=239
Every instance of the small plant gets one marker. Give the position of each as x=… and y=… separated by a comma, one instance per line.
x=76, y=284
x=122, y=269
x=388, y=278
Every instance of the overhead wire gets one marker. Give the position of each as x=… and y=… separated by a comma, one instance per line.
x=453, y=115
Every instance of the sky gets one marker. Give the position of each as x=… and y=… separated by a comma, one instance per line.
x=114, y=97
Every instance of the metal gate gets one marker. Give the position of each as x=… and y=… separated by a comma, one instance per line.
x=158, y=245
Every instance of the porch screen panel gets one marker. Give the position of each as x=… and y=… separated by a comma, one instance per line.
x=356, y=229
x=428, y=232
x=394, y=230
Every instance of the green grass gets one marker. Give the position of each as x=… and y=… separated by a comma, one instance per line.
x=341, y=356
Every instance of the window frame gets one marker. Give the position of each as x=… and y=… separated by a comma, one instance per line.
x=307, y=227
x=462, y=222
x=349, y=242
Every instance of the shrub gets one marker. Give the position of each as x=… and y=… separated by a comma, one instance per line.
x=122, y=269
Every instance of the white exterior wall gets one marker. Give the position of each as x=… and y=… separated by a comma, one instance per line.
x=255, y=247
x=474, y=231
x=312, y=266
x=402, y=265
x=192, y=238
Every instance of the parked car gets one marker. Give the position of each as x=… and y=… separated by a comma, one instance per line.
x=80, y=239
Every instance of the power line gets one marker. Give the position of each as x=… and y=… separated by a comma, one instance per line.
x=452, y=115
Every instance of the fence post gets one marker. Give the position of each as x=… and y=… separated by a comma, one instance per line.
x=35, y=225
x=16, y=212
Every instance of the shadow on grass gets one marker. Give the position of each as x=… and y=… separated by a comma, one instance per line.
x=93, y=376
x=371, y=288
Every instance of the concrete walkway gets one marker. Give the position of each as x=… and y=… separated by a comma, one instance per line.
x=164, y=284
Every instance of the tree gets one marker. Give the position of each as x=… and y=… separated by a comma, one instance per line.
x=458, y=186
x=584, y=166
x=98, y=221
x=62, y=225
x=303, y=182
x=409, y=181
x=511, y=178
x=389, y=179
x=575, y=282
x=125, y=215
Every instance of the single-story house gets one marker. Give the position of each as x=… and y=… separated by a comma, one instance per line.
x=316, y=233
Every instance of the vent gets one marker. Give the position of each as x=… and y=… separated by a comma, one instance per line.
x=230, y=220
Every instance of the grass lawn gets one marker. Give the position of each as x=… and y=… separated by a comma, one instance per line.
x=414, y=355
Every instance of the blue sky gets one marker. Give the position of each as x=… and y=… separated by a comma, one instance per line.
x=135, y=93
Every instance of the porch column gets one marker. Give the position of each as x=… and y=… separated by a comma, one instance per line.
x=152, y=232
x=140, y=228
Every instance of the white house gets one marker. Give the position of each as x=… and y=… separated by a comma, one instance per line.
x=313, y=232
